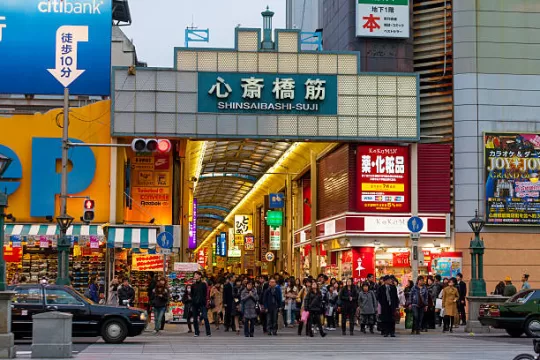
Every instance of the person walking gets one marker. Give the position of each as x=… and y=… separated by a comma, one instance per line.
x=199, y=290
x=462, y=288
x=389, y=303
x=93, y=290
x=509, y=289
x=435, y=292
x=216, y=298
x=272, y=303
x=314, y=304
x=160, y=301
x=151, y=279
x=113, y=292
x=367, y=304
x=332, y=297
x=291, y=292
x=349, y=300
x=499, y=289
x=450, y=299
x=249, y=303
x=228, y=303
x=525, y=282
x=419, y=300
x=187, y=300
x=303, y=307
x=126, y=294
x=236, y=311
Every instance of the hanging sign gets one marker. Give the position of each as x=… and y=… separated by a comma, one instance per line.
x=275, y=238
x=43, y=242
x=16, y=241
x=147, y=262
x=249, y=243
x=382, y=18
x=94, y=242
x=243, y=225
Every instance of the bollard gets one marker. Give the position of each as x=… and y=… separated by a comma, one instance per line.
x=56, y=344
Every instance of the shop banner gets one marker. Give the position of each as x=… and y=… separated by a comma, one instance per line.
x=147, y=262
x=275, y=239
x=243, y=225
x=43, y=242
x=16, y=241
x=12, y=254
x=401, y=259
x=249, y=243
x=233, y=247
x=363, y=262
x=94, y=242
x=383, y=179
x=447, y=264
x=202, y=257
x=383, y=18
x=222, y=244
x=512, y=165
x=185, y=267
x=192, y=243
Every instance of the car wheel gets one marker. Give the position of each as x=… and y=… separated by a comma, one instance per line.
x=524, y=357
x=114, y=331
x=532, y=327
x=515, y=333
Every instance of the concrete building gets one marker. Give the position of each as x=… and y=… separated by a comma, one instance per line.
x=305, y=15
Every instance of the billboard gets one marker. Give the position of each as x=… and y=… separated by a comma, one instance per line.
x=383, y=179
x=382, y=18
x=512, y=165
x=55, y=44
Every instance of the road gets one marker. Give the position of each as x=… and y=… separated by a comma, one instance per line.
x=174, y=343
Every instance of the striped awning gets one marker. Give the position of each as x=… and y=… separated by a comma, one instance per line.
x=51, y=230
x=128, y=237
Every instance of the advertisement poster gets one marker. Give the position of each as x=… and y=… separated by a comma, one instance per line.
x=382, y=18
x=192, y=241
x=512, y=165
x=249, y=243
x=147, y=262
x=383, y=179
x=243, y=225
x=234, y=249
x=275, y=239
x=447, y=266
x=178, y=280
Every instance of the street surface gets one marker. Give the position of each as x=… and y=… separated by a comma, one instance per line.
x=175, y=343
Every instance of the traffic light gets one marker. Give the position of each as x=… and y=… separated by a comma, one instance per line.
x=162, y=146
x=88, y=212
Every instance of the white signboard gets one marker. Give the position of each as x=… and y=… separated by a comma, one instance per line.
x=275, y=238
x=383, y=18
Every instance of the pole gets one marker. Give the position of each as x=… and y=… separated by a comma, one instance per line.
x=63, y=255
x=289, y=211
x=313, y=173
x=3, y=205
x=415, y=253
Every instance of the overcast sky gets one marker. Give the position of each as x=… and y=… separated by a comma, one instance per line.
x=158, y=25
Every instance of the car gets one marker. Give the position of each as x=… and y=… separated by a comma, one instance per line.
x=112, y=323
x=519, y=314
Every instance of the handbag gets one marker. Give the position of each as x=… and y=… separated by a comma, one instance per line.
x=438, y=304
x=168, y=316
x=304, y=316
x=211, y=304
x=442, y=313
x=329, y=310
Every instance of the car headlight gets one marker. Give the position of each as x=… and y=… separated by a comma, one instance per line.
x=143, y=316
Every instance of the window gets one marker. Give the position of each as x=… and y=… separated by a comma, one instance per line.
x=28, y=296
x=60, y=297
x=521, y=297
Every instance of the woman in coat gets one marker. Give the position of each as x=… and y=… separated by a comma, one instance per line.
x=187, y=300
x=449, y=304
x=349, y=299
x=249, y=303
x=160, y=301
x=367, y=302
x=313, y=303
x=216, y=296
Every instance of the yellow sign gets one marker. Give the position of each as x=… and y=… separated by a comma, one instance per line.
x=383, y=187
x=243, y=225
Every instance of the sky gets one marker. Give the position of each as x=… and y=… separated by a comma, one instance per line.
x=159, y=25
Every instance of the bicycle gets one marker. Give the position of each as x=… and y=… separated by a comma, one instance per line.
x=536, y=345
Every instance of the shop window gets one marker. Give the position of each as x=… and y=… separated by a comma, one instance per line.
x=28, y=296
x=60, y=297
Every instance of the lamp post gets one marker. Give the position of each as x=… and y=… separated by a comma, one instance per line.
x=4, y=164
x=476, y=247
x=64, y=222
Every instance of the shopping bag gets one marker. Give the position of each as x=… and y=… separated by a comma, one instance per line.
x=168, y=316
x=438, y=304
x=408, y=319
x=305, y=315
x=280, y=321
x=442, y=313
x=329, y=310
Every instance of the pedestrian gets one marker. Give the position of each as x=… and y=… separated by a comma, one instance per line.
x=298, y=300
x=290, y=303
x=314, y=304
x=228, y=303
x=462, y=288
x=373, y=286
x=499, y=289
x=160, y=301
x=216, y=303
x=429, y=317
x=187, y=300
x=450, y=299
x=126, y=294
x=303, y=307
x=349, y=300
x=150, y=278
x=263, y=316
x=199, y=305
x=525, y=282
x=419, y=299
x=367, y=303
x=113, y=292
x=236, y=311
x=332, y=297
x=509, y=289
x=436, y=295
x=272, y=303
x=249, y=303
x=93, y=291
x=389, y=303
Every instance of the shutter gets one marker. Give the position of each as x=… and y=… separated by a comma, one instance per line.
x=333, y=183
x=434, y=178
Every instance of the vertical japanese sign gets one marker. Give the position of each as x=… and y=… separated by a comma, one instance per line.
x=383, y=178
x=512, y=165
x=202, y=257
x=275, y=238
x=222, y=244
x=243, y=225
x=234, y=249
x=249, y=243
x=193, y=227
x=383, y=18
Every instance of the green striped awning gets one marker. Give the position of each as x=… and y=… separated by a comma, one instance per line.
x=51, y=230
x=129, y=237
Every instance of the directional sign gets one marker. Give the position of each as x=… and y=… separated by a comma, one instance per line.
x=46, y=45
x=415, y=224
x=165, y=240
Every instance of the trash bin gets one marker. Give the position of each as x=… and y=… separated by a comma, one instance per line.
x=47, y=344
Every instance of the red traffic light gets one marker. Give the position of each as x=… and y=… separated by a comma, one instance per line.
x=151, y=145
x=89, y=204
x=164, y=146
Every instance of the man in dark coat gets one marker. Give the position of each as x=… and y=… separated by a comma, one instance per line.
x=228, y=302
x=389, y=302
x=462, y=288
x=272, y=299
x=199, y=291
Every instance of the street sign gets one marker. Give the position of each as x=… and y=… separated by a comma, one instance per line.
x=165, y=240
x=415, y=236
x=276, y=201
x=49, y=45
x=165, y=251
x=415, y=224
x=269, y=256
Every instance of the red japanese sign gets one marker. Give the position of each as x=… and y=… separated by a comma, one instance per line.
x=12, y=255
x=363, y=262
x=383, y=179
x=202, y=257
x=401, y=259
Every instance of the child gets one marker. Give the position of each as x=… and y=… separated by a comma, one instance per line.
x=368, y=308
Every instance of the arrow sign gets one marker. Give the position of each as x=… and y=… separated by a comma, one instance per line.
x=67, y=38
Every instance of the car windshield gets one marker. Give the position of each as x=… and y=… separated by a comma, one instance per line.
x=521, y=297
x=83, y=297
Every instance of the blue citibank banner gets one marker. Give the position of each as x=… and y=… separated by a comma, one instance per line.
x=276, y=94
x=47, y=45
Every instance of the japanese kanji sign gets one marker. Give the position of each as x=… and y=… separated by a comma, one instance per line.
x=382, y=18
x=512, y=165
x=267, y=93
x=383, y=178
x=147, y=262
x=243, y=225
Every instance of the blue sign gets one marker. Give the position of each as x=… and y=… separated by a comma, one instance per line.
x=47, y=45
x=277, y=201
x=165, y=240
x=221, y=249
x=276, y=94
x=415, y=224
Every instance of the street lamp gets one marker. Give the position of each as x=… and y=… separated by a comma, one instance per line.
x=4, y=164
x=476, y=247
x=64, y=222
